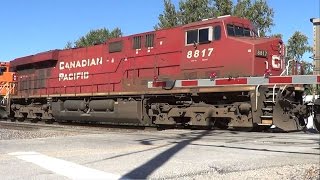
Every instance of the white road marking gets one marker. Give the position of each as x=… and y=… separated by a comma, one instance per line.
x=62, y=167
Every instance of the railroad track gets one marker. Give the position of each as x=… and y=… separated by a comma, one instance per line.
x=69, y=127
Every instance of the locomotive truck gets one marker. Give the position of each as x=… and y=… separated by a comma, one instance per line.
x=212, y=73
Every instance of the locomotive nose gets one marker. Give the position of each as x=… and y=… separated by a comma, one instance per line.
x=270, y=51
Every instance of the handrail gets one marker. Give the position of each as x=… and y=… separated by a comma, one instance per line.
x=9, y=88
x=287, y=67
x=287, y=73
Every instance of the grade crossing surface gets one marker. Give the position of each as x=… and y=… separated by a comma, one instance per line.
x=169, y=154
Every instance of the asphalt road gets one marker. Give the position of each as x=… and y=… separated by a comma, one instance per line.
x=169, y=154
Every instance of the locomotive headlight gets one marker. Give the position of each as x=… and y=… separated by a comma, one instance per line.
x=262, y=53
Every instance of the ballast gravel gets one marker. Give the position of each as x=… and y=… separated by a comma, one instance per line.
x=294, y=172
x=8, y=134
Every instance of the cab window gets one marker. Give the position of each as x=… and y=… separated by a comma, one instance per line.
x=217, y=33
x=204, y=35
x=238, y=31
x=230, y=30
x=201, y=36
x=192, y=36
x=247, y=32
x=2, y=70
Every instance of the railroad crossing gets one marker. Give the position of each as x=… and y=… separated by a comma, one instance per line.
x=68, y=152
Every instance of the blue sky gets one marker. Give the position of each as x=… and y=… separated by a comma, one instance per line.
x=32, y=26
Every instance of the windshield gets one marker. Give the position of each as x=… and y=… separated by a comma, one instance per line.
x=3, y=69
x=234, y=30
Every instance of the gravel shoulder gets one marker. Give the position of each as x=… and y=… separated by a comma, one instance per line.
x=298, y=172
x=10, y=134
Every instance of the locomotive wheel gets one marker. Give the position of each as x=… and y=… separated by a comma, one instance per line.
x=221, y=124
x=20, y=119
x=164, y=127
x=50, y=121
x=34, y=120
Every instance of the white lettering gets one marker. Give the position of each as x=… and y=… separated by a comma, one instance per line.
x=61, y=67
x=77, y=64
x=67, y=66
x=197, y=53
x=73, y=76
x=84, y=63
x=99, y=60
x=276, y=62
x=79, y=75
x=61, y=76
x=70, y=76
x=72, y=64
x=86, y=75
x=93, y=62
x=65, y=77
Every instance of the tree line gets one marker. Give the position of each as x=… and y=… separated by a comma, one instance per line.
x=257, y=11
x=94, y=37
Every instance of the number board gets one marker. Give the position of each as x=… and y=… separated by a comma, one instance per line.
x=204, y=54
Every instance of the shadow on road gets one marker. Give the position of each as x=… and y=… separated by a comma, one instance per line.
x=254, y=149
x=146, y=169
x=126, y=154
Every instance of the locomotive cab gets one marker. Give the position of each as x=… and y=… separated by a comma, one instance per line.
x=6, y=79
x=265, y=54
x=229, y=47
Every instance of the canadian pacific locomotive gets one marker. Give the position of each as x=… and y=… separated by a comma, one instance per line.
x=190, y=75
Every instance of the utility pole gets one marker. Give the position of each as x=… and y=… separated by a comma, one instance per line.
x=316, y=45
x=316, y=52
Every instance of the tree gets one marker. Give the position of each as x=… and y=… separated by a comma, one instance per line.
x=276, y=35
x=195, y=10
x=169, y=18
x=69, y=45
x=297, y=46
x=94, y=37
x=242, y=8
x=258, y=12
x=223, y=7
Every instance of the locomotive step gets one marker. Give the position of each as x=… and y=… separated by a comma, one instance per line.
x=267, y=109
x=266, y=117
x=269, y=101
x=270, y=94
x=265, y=122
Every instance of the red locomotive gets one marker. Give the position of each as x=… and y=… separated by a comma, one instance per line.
x=110, y=82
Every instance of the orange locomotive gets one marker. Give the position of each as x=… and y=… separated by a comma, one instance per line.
x=6, y=86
